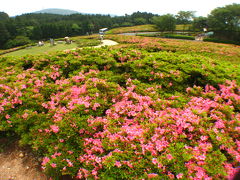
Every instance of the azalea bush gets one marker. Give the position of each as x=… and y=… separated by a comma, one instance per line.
x=132, y=112
x=223, y=52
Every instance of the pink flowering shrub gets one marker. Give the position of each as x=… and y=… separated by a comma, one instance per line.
x=124, y=114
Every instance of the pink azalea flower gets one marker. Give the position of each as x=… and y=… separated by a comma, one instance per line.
x=7, y=116
x=118, y=164
x=54, y=165
x=179, y=176
x=70, y=164
x=152, y=175
x=54, y=128
x=45, y=161
x=169, y=156
x=154, y=161
x=25, y=115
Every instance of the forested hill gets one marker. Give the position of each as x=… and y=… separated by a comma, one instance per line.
x=57, y=11
x=43, y=26
x=27, y=28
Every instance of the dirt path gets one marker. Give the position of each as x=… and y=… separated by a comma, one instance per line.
x=18, y=163
x=107, y=42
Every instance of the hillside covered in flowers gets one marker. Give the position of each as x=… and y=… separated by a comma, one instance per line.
x=145, y=109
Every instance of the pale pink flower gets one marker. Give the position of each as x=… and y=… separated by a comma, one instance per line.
x=152, y=175
x=118, y=164
x=179, y=176
x=70, y=152
x=154, y=161
x=7, y=116
x=70, y=164
x=204, y=138
x=25, y=115
x=54, y=128
x=54, y=165
x=169, y=156
x=45, y=161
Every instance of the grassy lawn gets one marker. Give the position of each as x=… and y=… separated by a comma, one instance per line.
x=146, y=28
x=183, y=27
x=43, y=49
x=140, y=28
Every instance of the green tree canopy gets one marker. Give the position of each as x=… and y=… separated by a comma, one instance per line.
x=4, y=34
x=225, y=18
x=165, y=22
x=184, y=17
x=200, y=22
x=3, y=16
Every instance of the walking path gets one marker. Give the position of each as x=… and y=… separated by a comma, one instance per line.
x=107, y=42
x=19, y=164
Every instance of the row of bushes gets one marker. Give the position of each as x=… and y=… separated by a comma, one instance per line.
x=179, y=36
x=216, y=40
x=173, y=36
x=16, y=49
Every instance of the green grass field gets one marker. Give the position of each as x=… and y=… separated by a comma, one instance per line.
x=43, y=49
x=139, y=28
x=146, y=28
x=183, y=27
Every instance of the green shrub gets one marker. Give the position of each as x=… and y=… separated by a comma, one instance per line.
x=220, y=41
x=87, y=42
x=178, y=36
x=131, y=112
x=18, y=41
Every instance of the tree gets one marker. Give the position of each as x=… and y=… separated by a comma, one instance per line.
x=199, y=23
x=90, y=27
x=37, y=33
x=3, y=16
x=225, y=18
x=4, y=34
x=165, y=22
x=184, y=17
x=17, y=41
x=139, y=21
x=225, y=22
x=76, y=29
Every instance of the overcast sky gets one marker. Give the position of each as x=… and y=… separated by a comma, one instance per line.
x=119, y=7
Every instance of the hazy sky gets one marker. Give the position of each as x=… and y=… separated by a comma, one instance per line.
x=119, y=7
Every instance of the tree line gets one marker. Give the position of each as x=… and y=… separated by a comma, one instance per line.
x=23, y=29
x=223, y=21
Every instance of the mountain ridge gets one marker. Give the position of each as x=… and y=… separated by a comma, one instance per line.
x=57, y=11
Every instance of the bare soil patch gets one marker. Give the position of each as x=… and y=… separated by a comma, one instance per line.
x=18, y=163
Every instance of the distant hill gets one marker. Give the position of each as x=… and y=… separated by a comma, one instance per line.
x=57, y=11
